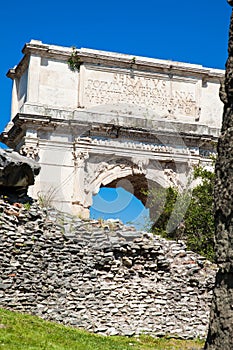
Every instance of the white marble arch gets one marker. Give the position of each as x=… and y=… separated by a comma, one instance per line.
x=133, y=175
x=115, y=117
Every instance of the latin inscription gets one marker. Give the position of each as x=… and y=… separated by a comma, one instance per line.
x=152, y=93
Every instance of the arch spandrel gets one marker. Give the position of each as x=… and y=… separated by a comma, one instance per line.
x=136, y=175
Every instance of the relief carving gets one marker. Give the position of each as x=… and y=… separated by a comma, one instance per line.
x=139, y=165
x=172, y=178
x=79, y=157
x=30, y=151
x=93, y=173
x=133, y=145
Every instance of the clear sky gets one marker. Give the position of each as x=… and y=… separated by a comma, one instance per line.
x=120, y=204
x=182, y=30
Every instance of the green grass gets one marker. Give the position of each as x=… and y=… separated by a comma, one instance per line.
x=20, y=332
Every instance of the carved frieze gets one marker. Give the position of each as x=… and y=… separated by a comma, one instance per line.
x=135, y=145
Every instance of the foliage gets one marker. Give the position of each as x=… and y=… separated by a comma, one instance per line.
x=74, y=62
x=46, y=198
x=24, y=332
x=27, y=206
x=199, y=219
x=196, y=227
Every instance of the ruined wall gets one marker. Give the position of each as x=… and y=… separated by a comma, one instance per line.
x=101, y=276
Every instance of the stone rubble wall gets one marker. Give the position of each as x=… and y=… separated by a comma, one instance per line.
x=101, y=276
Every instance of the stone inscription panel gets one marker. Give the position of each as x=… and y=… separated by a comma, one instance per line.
x=164, y=95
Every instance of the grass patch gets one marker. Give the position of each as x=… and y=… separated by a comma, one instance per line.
x=25, y=332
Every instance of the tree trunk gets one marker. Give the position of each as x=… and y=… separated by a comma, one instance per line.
x=220, y=335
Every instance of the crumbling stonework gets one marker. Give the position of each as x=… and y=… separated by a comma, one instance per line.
x=101, y=276
x=221, y=319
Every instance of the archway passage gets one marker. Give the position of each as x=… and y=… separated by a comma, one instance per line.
x=117, y=203
x=135, y=184
x=149, y=193
x=123, y=199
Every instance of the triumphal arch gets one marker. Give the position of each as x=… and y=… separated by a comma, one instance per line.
x=110, y=119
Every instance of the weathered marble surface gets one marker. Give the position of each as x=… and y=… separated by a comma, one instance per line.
x=142, y=87
x=115, y=117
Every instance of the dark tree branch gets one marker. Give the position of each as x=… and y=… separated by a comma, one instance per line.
x=220, y=335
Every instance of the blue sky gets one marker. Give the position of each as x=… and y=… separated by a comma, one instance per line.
x=188, y=31
x=118, y=203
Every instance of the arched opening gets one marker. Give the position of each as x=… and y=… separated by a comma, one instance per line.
x=125, y=199
x=117, y=203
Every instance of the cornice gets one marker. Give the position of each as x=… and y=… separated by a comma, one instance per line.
x=22, y=122
x=112, y=59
